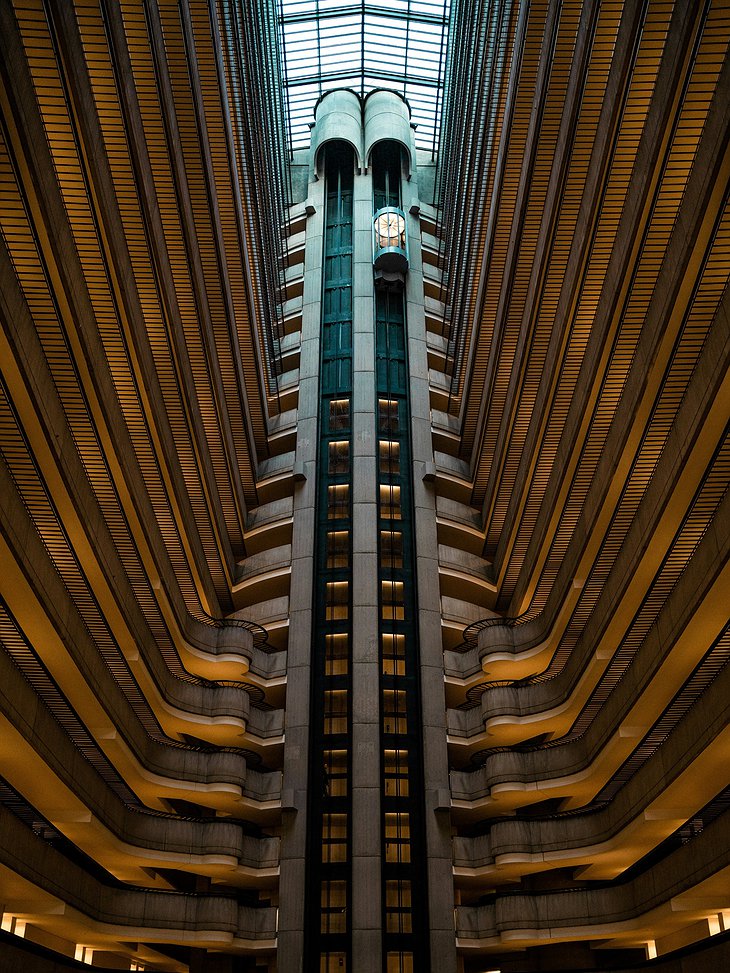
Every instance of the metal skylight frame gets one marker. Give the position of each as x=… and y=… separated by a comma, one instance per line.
x=396, y=44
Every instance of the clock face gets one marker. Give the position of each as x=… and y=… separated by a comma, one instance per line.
x=390, y=230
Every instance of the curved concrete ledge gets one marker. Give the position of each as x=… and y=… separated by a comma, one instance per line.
x=218, y=849
x=275, y=478
x=576, y=772
x=465, y=576
x=603, y=843
x=459, y=526
x=126, y=912
x=59, y=462
x=263, y=576
x=521, y=650
x=264, y=665
x=52, y=623
x=688, y=885
x=192, y=639
x=687, y=623
x=56, y=778
x=154, y=771
x=269, y=522
x=217, y=714
x=293, y=283
x=453, y=476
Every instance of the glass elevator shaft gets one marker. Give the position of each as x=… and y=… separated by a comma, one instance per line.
x=403, y=873
x=329, y=878
x=365, y=810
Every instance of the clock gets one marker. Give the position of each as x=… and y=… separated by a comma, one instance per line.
x=390, y=229
x=390, y=248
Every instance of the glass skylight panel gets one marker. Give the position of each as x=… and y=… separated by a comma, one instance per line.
x=396, y=44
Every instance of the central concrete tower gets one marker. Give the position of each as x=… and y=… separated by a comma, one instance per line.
x=366, y=864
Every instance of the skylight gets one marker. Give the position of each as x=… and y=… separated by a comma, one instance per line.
x=396, y=44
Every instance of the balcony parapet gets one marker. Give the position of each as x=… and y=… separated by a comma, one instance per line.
x=682, y=888
x=678, y=762
x=683, y=630
x=126, y=911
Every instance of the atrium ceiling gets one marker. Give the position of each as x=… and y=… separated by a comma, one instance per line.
x=396, y=44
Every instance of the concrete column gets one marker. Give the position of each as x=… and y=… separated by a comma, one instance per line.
x=365, y=825
x=296, y=745
x=433, y=703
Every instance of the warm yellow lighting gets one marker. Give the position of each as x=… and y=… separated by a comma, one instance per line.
x=714, y=926
x=10, y=924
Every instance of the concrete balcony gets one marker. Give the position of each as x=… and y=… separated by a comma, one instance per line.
x=263, y=576
x=679, y=777
x=685, y=627
x=677, y=893
x=49, y=889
